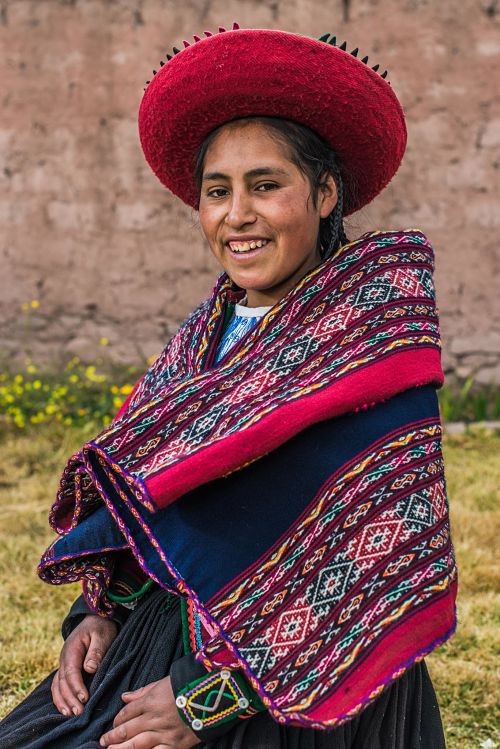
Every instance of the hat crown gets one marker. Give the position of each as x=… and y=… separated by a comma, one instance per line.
x=328, y=38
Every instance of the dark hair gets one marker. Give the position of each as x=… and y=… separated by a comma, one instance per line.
x=315, y=159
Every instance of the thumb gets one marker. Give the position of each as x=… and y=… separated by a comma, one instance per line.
x=130, y=696
x=95, y=653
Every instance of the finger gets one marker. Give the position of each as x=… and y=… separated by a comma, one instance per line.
x=144, y=741
x=133, y=734
x=130, y=711
x=141, y=692
x=71, y=677
x=147, y=740
x=95, y=653
x=57, y=698
x=70, y=671
x=70, y=686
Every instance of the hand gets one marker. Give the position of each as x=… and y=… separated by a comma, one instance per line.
x=84, y=648
x=150, y=720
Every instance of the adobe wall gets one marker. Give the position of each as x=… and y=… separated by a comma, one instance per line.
x=89, y=233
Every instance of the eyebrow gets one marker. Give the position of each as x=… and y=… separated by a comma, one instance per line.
x=261, y=171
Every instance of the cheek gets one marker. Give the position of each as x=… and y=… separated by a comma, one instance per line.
x=208, y=223
x=297, y=222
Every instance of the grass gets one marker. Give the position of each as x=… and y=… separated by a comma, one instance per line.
x=463, y=670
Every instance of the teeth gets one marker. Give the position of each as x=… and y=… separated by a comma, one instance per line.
x=246, y=246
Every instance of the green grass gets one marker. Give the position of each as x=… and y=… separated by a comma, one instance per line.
x=463, y=670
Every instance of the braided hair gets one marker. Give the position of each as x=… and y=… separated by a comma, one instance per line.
x=315, y=159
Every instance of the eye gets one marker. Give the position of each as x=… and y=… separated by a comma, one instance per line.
x=217, y=192
x=266, y=186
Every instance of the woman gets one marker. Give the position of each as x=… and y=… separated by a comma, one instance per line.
x=271, y=497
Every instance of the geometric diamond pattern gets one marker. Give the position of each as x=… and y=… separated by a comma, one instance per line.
x=291, y=626
x=334, y=581
x=376, y=541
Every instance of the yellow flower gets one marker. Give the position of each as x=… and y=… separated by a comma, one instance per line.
x=114, y=389
x=104, y=341
x=35, y=304
x=37, y=385
x=126, y=389
x=90, y=374
x=59, y=392
x=82, y=411
x=18, y=378
x=31, y=369
x=117, y=402
x=73, y=378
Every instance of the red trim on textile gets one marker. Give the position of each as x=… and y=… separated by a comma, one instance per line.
x=382, y=380
x=430, y=625
x=191, y=614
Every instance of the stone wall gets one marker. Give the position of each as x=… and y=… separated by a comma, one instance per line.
x=104, y=253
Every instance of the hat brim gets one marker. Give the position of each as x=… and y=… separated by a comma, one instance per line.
x=250, y=72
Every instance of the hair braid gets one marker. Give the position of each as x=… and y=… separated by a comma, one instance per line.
x=337, y=236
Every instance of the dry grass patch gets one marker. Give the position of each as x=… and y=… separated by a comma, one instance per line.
x=463, y=671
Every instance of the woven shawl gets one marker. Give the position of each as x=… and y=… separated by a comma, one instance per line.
x=294, y=492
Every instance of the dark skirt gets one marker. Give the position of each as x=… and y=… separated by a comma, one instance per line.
x=405, y=716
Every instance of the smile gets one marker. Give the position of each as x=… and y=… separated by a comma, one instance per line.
x=253, y=244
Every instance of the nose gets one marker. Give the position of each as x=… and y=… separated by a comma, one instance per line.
x=241, y=210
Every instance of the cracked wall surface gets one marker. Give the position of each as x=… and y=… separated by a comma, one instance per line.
x=90, y=235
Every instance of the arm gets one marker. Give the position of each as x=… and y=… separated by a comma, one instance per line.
x=189, y=706
x=166, y=712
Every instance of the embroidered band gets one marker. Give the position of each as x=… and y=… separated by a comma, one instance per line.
x=215, y=699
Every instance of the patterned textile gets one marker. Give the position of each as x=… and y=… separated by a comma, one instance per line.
x=356, y=579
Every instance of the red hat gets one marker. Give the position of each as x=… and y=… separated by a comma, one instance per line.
x=245, y=72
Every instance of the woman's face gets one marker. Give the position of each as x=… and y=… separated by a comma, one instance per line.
x=257, y=212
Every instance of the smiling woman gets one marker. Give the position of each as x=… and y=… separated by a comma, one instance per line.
x=262, y=532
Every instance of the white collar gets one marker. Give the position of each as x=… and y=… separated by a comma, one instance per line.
x=240, y=310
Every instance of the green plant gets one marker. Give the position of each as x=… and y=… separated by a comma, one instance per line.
x=469, y=402
x=79, y=395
